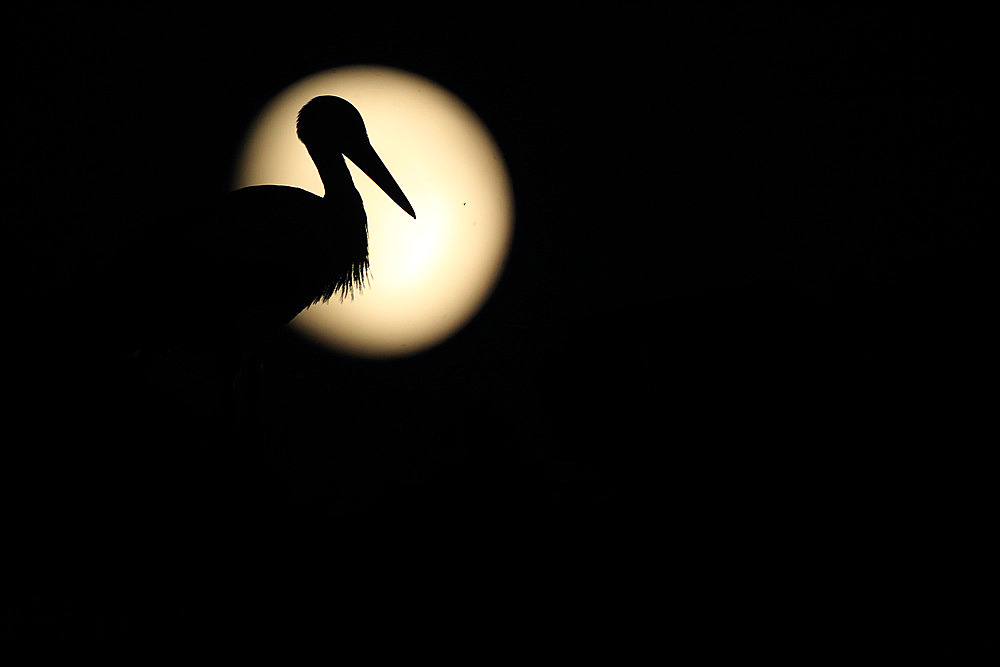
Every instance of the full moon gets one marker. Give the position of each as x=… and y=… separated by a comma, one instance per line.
x=431, y=275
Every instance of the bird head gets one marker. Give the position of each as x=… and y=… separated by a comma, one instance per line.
x=332, y=123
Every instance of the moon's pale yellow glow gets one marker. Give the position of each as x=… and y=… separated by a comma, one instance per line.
x=429, y=276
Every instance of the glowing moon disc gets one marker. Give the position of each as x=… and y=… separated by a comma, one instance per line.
x=429, y=276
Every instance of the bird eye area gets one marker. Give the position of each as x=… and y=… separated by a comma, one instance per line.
x=328, y=118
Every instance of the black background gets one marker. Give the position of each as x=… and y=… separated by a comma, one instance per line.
x=728, y=373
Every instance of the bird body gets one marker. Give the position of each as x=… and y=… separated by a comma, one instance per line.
x=266, y=252
x=272, y=251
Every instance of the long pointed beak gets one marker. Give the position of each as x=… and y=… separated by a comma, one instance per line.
x=368, y=161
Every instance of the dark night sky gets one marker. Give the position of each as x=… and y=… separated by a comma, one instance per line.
x=741, y=311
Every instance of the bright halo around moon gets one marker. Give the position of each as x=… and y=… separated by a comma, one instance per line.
x=431, y=275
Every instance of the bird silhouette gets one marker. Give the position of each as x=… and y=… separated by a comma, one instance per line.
x=264, y=253
x=270, y=251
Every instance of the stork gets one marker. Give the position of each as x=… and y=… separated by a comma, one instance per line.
x=270, y=251
x=279, y=249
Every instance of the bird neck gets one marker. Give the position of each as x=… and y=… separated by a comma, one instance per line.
x=333, y=171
